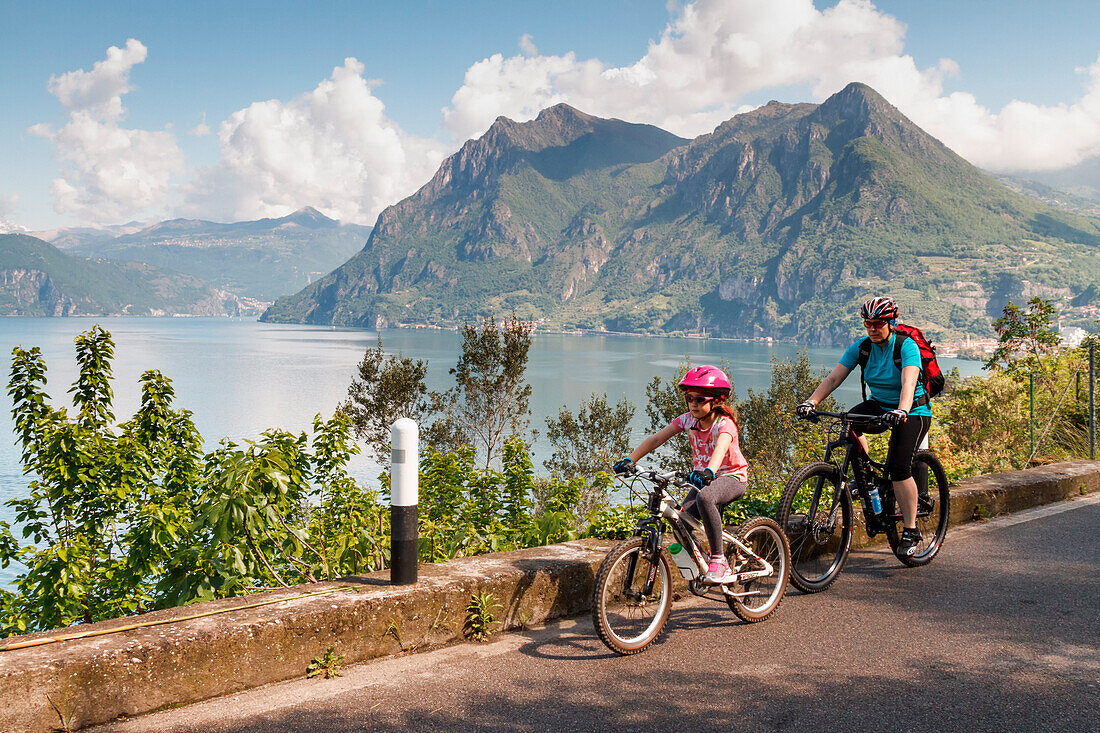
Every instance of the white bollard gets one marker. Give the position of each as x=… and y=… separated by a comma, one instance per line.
x=404, y=498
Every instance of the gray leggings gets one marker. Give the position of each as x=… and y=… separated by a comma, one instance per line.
x=703, y=505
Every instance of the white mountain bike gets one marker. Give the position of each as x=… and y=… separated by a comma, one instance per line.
x=633, y=589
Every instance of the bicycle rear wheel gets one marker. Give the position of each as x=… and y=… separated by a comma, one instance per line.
x=764, y=536
x=626, y=619
x=933, y=510
x=819, y=541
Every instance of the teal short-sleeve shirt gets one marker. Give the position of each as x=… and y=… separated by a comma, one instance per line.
x=882, y=376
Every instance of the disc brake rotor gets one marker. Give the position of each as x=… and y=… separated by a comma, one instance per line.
x=822, y=527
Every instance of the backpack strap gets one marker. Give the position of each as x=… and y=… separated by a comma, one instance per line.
x=899, y=338
x=921, y=377
x=864, y=355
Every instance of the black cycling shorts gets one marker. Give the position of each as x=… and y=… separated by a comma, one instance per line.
x=904, y=439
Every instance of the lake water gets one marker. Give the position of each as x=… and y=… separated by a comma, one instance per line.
x=241, y=377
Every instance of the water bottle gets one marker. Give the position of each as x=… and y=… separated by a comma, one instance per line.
x=683, y=560
x=876, y=502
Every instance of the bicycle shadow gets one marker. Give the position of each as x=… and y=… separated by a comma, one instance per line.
x=576, y=639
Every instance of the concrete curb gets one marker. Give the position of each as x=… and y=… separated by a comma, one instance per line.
x=98, y=679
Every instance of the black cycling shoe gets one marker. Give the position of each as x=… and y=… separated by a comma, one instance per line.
x=910, y=538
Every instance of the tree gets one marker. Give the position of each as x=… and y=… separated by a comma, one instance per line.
x=387, y=388
x=491, y=399
x=771, y=437
x=1024, y=337
x=591, y=440
x=107, y=507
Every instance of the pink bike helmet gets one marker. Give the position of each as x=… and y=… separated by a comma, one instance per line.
x=707, y=378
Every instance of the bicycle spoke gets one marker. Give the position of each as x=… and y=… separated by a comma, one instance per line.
x=818, y=539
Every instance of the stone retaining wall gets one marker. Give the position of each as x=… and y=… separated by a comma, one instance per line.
x=97, y=679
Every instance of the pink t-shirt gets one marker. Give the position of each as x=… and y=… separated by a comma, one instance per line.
x=703, y=442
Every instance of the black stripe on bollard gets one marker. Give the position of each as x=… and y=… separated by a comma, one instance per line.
x=403, y=544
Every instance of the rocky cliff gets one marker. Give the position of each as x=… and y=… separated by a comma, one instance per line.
x=775, y=223
x=36, y=279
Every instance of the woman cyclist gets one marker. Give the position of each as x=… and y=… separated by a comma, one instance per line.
x=720, y=472
x=896, y=395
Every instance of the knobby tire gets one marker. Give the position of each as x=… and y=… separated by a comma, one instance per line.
x=767, y=540
x=933, y=527
x=818, y=550
x=616, y=616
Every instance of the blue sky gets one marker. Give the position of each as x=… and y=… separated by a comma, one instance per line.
x=301, y=126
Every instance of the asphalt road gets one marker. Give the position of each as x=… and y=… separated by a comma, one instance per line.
x=1000, y=633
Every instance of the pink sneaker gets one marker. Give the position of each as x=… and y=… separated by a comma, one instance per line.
x=718, y=572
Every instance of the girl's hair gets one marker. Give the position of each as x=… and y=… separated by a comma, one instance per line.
x=729, y=410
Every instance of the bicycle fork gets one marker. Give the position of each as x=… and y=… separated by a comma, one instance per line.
x=651, y=532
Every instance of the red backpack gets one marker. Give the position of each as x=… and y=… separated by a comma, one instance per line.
x=931, y=375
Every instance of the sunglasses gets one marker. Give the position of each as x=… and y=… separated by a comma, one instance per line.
x=870, y=323
x=694, y=399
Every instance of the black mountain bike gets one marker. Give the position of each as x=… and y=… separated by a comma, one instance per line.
x=817, y=514
x=633, y=592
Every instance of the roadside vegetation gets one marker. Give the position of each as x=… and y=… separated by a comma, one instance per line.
x=126, y=517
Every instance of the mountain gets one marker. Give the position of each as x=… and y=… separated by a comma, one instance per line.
x=37, y=279
x=775, y=224
x=1083, y=199
x=1081, y=180
x=70, y=238
x=254, y=259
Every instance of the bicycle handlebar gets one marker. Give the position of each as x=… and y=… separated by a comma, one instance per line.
x=849, y=417
x=676, y=478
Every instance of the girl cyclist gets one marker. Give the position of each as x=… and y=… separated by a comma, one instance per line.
x=720, y=473
x=897, y=395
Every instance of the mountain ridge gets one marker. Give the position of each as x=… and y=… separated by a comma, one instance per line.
x=38, y=279
x=775, y=223
x=258, y=260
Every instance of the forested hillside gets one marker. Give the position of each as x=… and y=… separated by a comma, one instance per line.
x=775, y=224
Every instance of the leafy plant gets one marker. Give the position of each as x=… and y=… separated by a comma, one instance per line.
x=591, y=440
x=480, y=616
x=126, y=519
x=615, y=523
x=65, y=714
x=106, y=509
x=325, y=665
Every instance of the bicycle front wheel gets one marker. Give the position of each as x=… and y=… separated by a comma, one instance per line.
x=933, y=510
x=628, y=619
x=758, y=598
x=816, y=514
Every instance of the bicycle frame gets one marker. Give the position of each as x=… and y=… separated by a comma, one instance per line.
x=850, y=444
x=663, y=507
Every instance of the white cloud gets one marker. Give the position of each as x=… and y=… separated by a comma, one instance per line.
x=109, y=173
x=527, y=45
x=333, y=148
x=715, y=53
x=9, y=202
x=99, y=91
x=708, y=58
